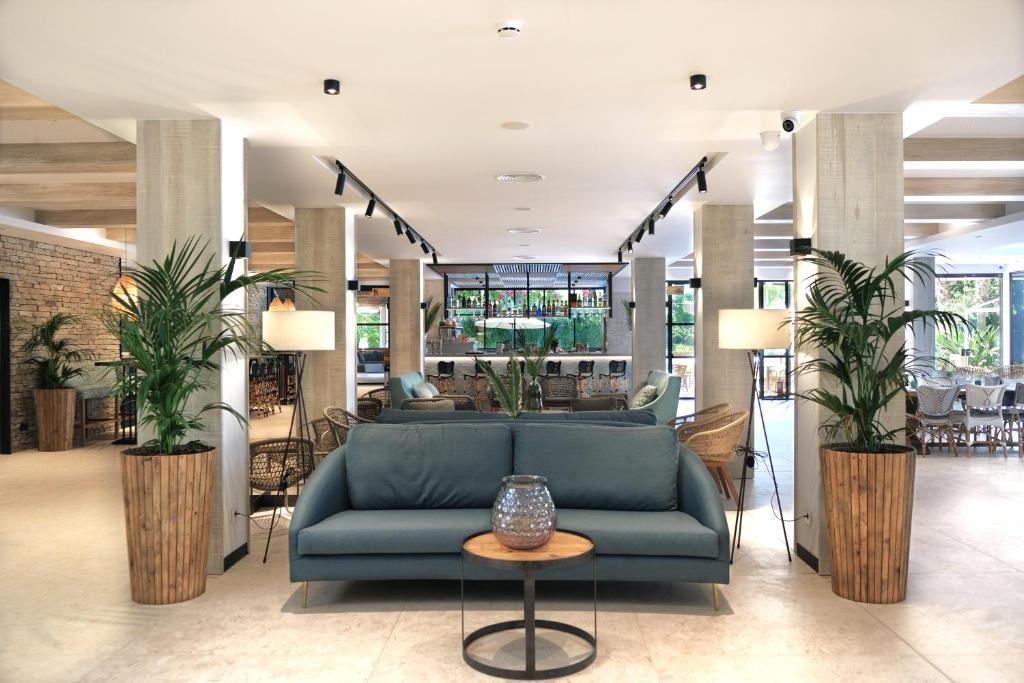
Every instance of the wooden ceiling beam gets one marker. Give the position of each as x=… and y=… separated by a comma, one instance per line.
x=963, y=187
x=936, y=212
x=112, y=219
x=1011, y=93
x=68, y=157
x=963, y=149
x=55, y=196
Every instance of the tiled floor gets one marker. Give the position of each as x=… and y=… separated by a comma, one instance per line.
x=65, y=614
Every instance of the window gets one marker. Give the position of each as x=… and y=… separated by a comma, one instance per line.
x=979, y=299
x=776, y=364
x=681, y=330
x=372, y=326
x=1017, y=317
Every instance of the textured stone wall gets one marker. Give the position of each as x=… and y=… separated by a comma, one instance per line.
x=47, y=279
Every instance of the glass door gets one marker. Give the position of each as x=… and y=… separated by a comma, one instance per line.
x=680, y=325
x=1017, y=317
x=775, y=380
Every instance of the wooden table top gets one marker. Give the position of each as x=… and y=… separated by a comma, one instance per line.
x=562, y=546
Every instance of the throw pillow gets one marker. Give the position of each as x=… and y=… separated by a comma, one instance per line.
x=645, y=395
x=425, y=390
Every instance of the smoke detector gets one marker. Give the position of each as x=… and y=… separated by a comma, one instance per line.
x=519, y=177
x=770, y=140
x=509, y=28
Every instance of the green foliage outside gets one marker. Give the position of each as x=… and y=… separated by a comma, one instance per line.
x=977, y=300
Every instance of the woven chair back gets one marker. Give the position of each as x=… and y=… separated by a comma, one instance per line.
x=936, y=401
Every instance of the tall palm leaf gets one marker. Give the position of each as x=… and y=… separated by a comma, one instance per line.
x=508, y=392
x=53, y=366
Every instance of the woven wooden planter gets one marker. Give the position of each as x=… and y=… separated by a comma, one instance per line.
x=167, y=503
x=869, y=499
x=55, y=419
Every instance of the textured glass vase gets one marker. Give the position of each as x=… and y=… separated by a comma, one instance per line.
x=534, y=397
x=523, y=516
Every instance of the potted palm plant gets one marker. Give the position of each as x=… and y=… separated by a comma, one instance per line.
x=54, y=398
x=534, y=358
x=508, y=392
x=175, y=329
x=852, y=327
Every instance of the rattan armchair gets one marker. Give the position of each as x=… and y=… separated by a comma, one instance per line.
x=324, y=438
x=559, y=391
x=342, y=421
x=275, y=465
x=708, y=413
x=373, y=402
x=714, y=441
x=935, y=417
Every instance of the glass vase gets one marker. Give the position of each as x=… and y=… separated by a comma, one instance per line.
x=523, y=516
x=534, y=396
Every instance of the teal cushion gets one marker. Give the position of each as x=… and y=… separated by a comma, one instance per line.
x=395, y=416
x=642, y=533
x=636, y=417
x=601, y=467
x=371, y=532
x=645, y=395
x=412, y=466
x=425, y=390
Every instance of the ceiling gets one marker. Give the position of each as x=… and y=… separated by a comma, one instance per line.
x=424, y=91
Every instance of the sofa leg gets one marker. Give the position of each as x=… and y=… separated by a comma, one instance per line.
x=714, y=595
x=305, y=593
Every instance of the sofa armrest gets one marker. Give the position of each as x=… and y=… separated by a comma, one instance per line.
x=698, y=497
x=323, y=495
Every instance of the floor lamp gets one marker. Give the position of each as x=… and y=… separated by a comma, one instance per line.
x=753, y=330
x=298, y=332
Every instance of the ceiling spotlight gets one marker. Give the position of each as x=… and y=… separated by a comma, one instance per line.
x=339, y=184
x=433, y=256
x=770, y=140
x=519, y=177
x=698, y=82
x=522, y=231
x=410, y=236
x=639, y=235
x=629, y=246
x=332, y=86
x=522, y=208
x=666, y=208
x=371, y=206
x=516, y=125
x=398, y=226
x=702, y=182
x=424, y=247
x=620, y=256
x=509, y=28
x=650, y=225
x=524, y=257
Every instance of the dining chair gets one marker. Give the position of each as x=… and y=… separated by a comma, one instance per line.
x=936, y=417
x=984, y=412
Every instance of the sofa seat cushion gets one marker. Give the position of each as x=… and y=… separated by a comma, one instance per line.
x=669, y=533
x=375, y=532
x=396, y=416
x=416, y=466
x=600, y=467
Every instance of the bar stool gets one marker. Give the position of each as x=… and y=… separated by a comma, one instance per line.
x=553, y=368
x=584, y=373
x=444, y=380
x=477, y=384
x=615, y=380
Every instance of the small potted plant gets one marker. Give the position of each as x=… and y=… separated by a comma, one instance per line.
x=852, y=328
x=175, y=329
x=54, y=398
x=534, y=359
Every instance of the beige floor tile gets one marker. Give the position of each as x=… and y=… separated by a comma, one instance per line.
x=990, y=668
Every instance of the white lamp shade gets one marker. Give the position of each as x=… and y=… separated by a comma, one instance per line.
x=753, y=328
x=299, y=330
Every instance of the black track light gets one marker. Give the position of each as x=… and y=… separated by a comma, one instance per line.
x=332, y=86
x=339, y=184
x=702, y=182
x=639, y=235
x=629, y=246
x=433, y=256
x=620, y=256
x=698, y=82
x=371, y=206
x=411, y=236
x=424, y=247
x=666, y=208
x=650, y=226
x=398, y=226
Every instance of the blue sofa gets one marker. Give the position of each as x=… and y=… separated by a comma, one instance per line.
x=627, y=417
x=666, y=405
x=397, y=501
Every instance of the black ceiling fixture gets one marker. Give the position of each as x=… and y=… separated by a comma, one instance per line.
x=698, y=82
x=665, y=205
x=332, y=86
x=345, y=176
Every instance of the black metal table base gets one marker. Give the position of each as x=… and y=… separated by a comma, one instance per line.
x=529, y=674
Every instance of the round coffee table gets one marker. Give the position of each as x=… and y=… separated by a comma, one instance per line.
x=565, y=549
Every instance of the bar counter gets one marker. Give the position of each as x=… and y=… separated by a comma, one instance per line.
x=464, y=364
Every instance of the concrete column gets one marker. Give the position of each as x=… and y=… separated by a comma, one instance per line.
x=649, y=331
x=325, y=243
x=620, y=322
x=847, y=196
x=723, y=250
x=923, y=298
x=406, y=316
x=191, y=181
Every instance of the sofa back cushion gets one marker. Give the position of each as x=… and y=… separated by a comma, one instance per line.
x=590, y=466
x=396, y=416
x=633, y=417
x=413, y=466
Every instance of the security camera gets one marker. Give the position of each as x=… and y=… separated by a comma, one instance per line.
x=790, y=120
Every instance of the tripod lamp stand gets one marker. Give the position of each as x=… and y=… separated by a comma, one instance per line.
x=754, y=330
x=297, y=332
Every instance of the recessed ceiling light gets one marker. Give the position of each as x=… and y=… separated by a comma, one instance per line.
x=527, y=246
x=522, y=208
x=524, y=257
x=510, y=28
x=516, y=125
x=523, y=231
x=332, y=86
x=519, y=177
x=698, y=82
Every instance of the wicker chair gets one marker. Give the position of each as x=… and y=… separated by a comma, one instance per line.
x=935, y=417
x=444, y=378
x=275, y=465
x=584, y=373
x=559, y=391
x=983, y=411
x=614, y=380
x=715, y=440
x=552, y=368
x=373, y=402
x=477, y=384
x=708, y=413
x=1014, y=417
x=342, y=422
x=324, y=438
